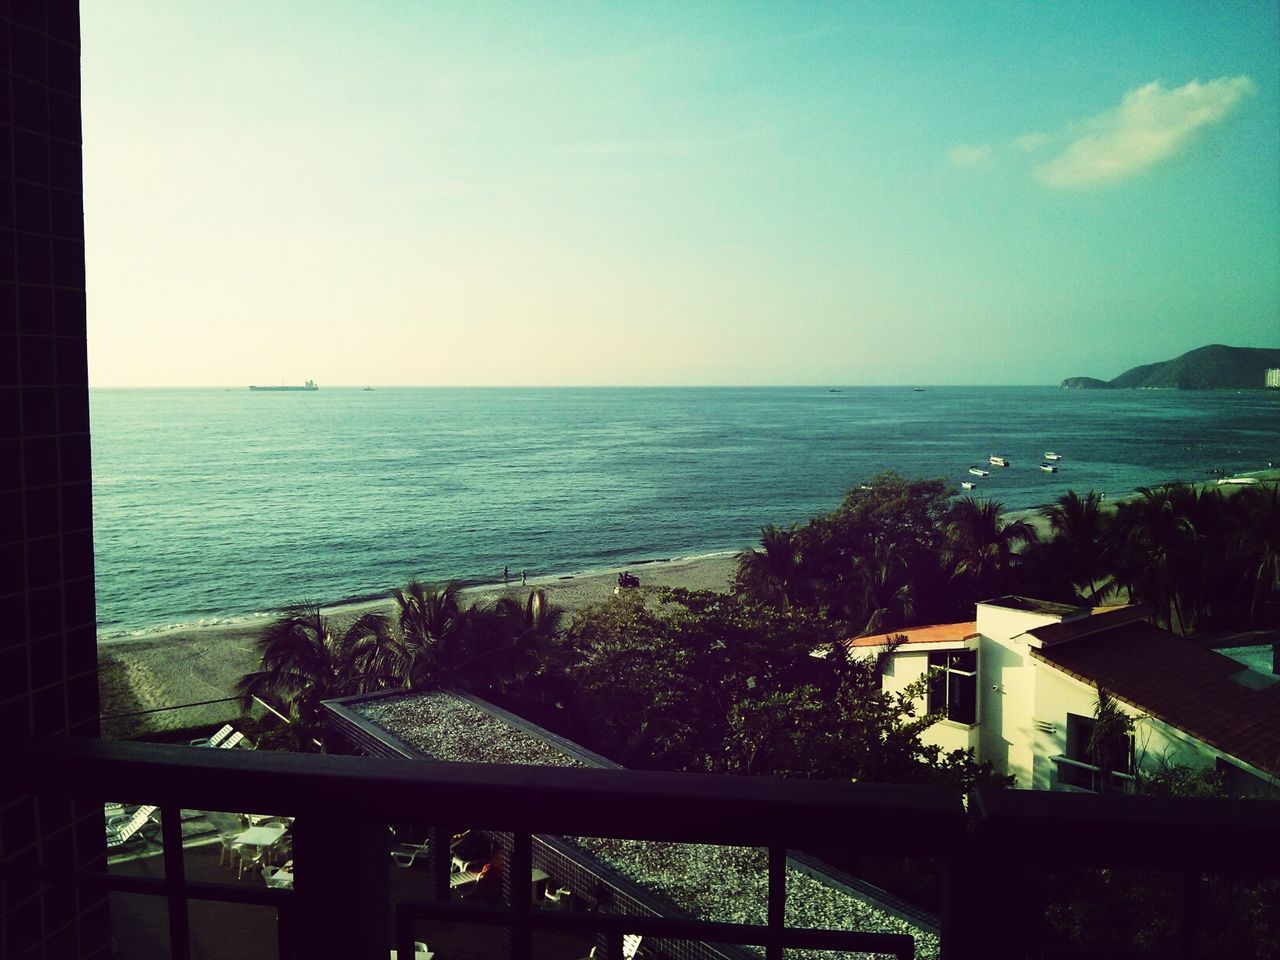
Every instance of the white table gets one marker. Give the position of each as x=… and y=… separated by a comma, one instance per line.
x=261, y=836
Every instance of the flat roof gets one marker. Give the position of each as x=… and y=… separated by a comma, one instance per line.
x=708, y=882
x=1031, y=605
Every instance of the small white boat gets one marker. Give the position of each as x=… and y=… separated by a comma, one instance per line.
x=1048, y=468
x=1238, y=481
x=978, y=472
x=998, y=461
x=967, y=484
x=1052, y=456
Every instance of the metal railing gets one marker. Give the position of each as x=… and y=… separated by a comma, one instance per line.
x=342, y=805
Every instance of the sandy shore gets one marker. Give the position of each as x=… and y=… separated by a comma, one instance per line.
x=192, y=665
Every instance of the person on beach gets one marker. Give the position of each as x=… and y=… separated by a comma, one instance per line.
x=522, y=578
x=506, y=573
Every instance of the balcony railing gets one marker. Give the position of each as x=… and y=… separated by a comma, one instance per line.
x=342, y=805
x=1077, y=775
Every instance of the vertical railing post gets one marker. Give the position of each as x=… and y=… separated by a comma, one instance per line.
x=175, y=874
x=342, y=872
x=1192, y=884
x=439, y=861
x=516, y=879
x=777, y=907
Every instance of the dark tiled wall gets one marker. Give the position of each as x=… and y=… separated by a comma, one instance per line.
x=48, y=649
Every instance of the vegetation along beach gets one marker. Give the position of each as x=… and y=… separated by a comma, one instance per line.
x=669, y=484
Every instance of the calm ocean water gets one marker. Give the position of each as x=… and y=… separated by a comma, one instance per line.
x=213, y=504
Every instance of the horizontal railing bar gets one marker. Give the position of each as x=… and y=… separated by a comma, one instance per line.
x=1159, y=833
x=162, y=886
x=711, y=931
x=755, y=811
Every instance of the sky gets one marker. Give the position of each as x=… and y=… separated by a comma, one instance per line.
x=408, y=193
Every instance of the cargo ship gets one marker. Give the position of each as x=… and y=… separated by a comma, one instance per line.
x=309, y=385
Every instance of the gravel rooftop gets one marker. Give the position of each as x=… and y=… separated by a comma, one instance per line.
x=708, y=882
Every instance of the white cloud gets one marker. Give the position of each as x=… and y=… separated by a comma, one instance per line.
x=1031, y=141
x=1151, y=125
x=970, y=155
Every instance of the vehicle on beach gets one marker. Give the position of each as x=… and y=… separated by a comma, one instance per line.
x=1048, y=468
x=1052, y=456
x=998, y=461
x=968, y=484
x=979, y=472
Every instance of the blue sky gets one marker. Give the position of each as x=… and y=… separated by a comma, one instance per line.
x=861, y=193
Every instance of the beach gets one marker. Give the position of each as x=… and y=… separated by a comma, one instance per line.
x=196, y=665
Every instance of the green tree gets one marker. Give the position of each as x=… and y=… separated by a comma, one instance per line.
x=1155, y=552
x=1080, y=528
x=712, y=682
x=1257, y=545
x=304, y=661
x=981, y=545
x=772, y=574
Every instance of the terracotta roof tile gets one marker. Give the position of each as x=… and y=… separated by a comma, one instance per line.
x=937, y=633
x=1176, y=681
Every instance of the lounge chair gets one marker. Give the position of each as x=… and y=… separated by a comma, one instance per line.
x=405, y=853
x=216, y=739
x=630, y=945
x=556, y=899
x=131, y=828
x=236, y=739
x=280, y=877
x=467, y=877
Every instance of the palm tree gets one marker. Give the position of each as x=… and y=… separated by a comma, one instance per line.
x=1258, y=543
x=428, y=618
x=1080, y=530
x=883, y=589
x=772, y=574
x=1155, y=552
x=304, y=661
x=1110, y=746
x=981, y=545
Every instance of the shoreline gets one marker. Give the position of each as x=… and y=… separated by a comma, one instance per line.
x=175, y=667
x=172, y=667
x=372, y=600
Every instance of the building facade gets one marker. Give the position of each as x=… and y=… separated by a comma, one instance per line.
x=1020, y=686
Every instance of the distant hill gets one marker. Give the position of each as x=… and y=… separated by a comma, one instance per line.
x=1214, y=367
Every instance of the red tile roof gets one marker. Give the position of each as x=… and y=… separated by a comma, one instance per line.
x=938, y=633
x=1186, y=686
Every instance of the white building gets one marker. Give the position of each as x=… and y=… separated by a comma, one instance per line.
x=1273, y=377
x=1020, y=686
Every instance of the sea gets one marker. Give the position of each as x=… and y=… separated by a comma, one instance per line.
x=214, y=505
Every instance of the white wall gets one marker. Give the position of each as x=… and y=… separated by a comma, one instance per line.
x=908, y=665
x=1008, y=738
x=1058, y=694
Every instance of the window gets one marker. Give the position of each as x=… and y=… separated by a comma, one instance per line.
x=1082, y=766
x=953, y=685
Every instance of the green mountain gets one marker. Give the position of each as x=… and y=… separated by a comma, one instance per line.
x=1214, y=367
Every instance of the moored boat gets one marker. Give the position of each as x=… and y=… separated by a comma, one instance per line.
x=1052, y=456
x=1048, y=468
x=967, y=484
x=998, y=461
x=979, y=472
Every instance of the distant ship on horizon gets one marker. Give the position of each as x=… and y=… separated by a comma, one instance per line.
x=309, y=385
